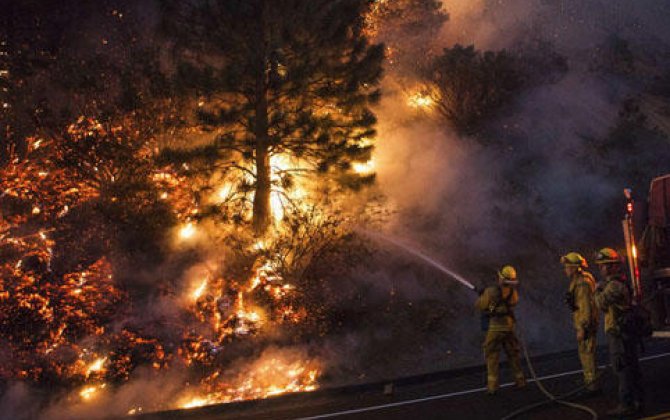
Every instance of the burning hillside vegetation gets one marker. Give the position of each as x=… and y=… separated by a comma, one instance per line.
x=63, y=322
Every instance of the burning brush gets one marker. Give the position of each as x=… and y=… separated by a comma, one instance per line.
x=61, y=325
x=274, y=373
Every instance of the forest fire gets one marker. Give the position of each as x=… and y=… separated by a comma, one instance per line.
x=190, y=190
x=232, y=317
x=266, y=378
x=49, y=316
x=286, y=178
x=180, y=235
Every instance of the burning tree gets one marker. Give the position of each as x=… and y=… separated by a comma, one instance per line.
x=66, y=210
x=280, y=78
x=74, y=211
x=116, y=161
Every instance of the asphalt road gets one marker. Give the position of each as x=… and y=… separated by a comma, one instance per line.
x=455, y=394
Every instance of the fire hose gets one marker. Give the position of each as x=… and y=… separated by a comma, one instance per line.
x=551, y=398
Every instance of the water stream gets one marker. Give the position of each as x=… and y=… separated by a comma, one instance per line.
x=415, y=252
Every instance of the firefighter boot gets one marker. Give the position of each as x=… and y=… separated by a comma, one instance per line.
x=492, y=385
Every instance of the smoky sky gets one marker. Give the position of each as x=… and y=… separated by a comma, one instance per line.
x=422, y=165
x=552, y=182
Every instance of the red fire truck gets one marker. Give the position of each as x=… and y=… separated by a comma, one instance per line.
x=649, y=269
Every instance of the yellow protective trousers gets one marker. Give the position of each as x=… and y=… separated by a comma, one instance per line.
x=587, y=356
x=494, y=342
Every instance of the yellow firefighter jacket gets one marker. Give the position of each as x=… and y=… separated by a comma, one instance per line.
x=498, y=303
x=585, y=315
x=613, y=299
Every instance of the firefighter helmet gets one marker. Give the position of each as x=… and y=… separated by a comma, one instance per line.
x=607, y=256
x=507, y=273
x=574, y=259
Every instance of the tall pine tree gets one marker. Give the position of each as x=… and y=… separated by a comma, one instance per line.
x=288, y=77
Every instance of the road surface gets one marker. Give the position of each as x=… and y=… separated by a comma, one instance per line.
x=457, y=394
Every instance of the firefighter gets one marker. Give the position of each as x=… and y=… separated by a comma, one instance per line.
x=580, y=300
x=613, y=297
x=496, y=303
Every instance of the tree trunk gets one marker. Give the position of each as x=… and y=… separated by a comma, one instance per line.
x=262, y=212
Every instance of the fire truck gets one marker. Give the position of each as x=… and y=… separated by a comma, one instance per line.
x=649, y=269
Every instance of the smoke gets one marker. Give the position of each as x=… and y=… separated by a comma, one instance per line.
x=572, y=24
x=548, y=178
x=144, y=392
x=18, y=402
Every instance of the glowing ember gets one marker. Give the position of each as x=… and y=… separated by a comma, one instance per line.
x=247, y=320
x=255, y=282
x=135, y=410
x=89, y=392
x=264, y=274
x=199, y=290
x=420, y=100
x=187, y=231
x=197, y=402
x=364, y=168
x=96, y=366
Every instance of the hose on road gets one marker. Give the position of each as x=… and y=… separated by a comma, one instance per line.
x=551, y=398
